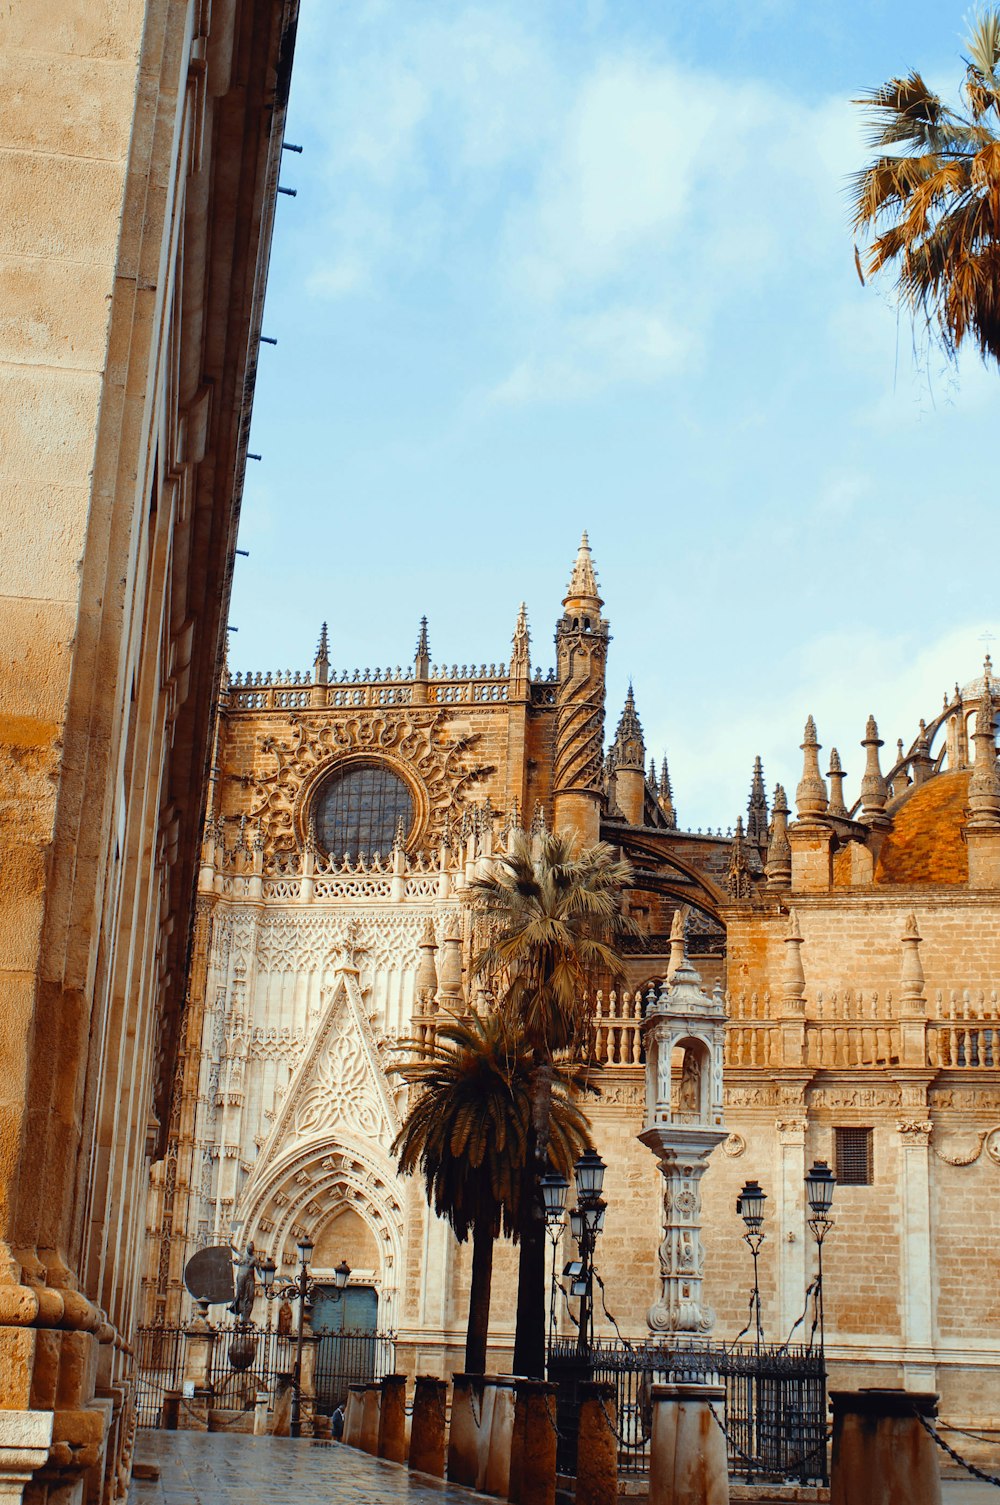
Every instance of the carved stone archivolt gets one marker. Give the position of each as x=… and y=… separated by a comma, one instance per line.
x=437, y=768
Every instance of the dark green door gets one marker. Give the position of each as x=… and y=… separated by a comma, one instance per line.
x=350, y=1350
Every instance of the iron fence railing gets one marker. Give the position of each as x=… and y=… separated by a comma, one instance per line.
x=774, y=1413
x=247, y=1360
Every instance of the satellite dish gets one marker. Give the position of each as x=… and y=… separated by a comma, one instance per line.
x=208, y=1275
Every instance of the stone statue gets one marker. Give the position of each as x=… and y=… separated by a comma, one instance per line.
x=284, y=1319
x=689, y=1096
x=246, y=1283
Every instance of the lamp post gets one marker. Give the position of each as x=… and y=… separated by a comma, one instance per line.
x=820, y=1186
x=554, y=1189
x=299, y=1290
x=750, y=1207
x=586, y=1222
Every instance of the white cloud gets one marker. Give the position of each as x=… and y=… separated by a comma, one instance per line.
x=585, y=355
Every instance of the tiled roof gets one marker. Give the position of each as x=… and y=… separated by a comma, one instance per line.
x=926, y=843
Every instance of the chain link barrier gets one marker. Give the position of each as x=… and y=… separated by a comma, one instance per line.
x=970, y=1468
x=757, y=1464
x=623, y=1442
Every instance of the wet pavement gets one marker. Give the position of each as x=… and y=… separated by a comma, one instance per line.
x=210, y=1468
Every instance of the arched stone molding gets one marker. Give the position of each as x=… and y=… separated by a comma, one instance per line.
x=305, y=1187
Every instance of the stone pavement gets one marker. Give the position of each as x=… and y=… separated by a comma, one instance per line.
x=211, y=1468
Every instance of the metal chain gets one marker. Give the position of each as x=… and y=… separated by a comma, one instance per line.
x=219, y=1426
x=977, y=1473
x=757, y=1463
x=946, y=1426
x=629, y=1447
x=549, y=1418
x=478, y=1420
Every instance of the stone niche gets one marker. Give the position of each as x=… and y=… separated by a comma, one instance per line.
x=347, y=1236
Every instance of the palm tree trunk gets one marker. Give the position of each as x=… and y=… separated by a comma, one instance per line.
x=529, y=1334
x=479, y=1297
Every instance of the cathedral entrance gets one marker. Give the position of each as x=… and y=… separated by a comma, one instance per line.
x=351, y=1350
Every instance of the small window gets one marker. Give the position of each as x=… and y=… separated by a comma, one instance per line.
x=854, y=1157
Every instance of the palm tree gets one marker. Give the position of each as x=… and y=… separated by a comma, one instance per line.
x=468, y=1133
x=930, y=201
x=550, y=919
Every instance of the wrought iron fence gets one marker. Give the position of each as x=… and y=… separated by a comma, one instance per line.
x=159, y=1363
x=248, y=1359
x=774, y=1417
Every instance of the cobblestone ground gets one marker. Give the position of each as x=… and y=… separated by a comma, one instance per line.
x=199, y=1468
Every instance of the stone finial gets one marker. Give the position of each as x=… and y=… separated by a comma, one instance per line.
x=652, y=772
x=538, y=825
x=779, y=851
x=793, y=983
x=738, y=875
x=810, y=796
x=519, y=674
x=426, y=981
x=422, y=656
x=399, y=839
x=667, y=795
x=450, y=969
x=676, y=943
x=522, y=637
x=984, y=783
x=582, y=590
x=757, y=815
x=873, y=788
x=921, y=763
x=629, y=746
x=321, y=662
x=912, y=976
x=836, y=775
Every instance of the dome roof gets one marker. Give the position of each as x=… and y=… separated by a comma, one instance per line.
x=926, y=842
x=974, y=691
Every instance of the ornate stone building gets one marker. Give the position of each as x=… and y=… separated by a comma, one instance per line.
x=858, y=948
x=141, y=146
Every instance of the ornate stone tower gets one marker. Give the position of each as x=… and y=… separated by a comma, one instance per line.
x=629, y=754
x=684, y=1034
x=582, y=640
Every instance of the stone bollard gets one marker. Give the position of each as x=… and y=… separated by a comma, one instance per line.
x=597, y=1448
x=688, y=1463
x=371, y=1406
x=353, y=1413
x=465, y=1429
x=260, y=1414
x=430, y=1400
x=496, y=1478
x=881, y=1453
x=392, y=1419
x=533, y=1445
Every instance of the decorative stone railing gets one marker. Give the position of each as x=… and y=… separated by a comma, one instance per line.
x=962, y=1046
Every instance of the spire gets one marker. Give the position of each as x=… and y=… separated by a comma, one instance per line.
x=521, y=633
x=912, y=979
x=779, y=851
x=810, y=796
x=738, y=877
x=423, y=645
x=667, y=795
x=519, y=686
x=426, y=981
x=873, y=790
x=582, y=592
x=757, y=808
x=629, y=745
x=984, y=784
x=652, y=772
x=836, y=776
x=921, y=763
x=793, y=983
x=676, y=942
x=321, y=663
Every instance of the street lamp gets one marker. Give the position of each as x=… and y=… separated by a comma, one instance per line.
x=820, y=1186
x=554, y=1189
x=299, y=1290
x=750, y=1207
x=586, y=1222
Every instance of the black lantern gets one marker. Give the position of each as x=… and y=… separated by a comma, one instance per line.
x=820, y=1185
x=342, y=1274
x=554, y=1189
x=576, y=1223
x=267, y=1270
x=305, y=1248
x=750, y=1206
x=589, y=1173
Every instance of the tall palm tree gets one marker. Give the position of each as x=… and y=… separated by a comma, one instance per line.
x=468, y=1132
x=930, y=201
x=551, y=915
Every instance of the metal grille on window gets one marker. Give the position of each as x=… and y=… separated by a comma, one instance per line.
x=854, y=1157
x=358, y=810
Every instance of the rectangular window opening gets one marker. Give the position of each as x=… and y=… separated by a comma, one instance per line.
x=854, y=1157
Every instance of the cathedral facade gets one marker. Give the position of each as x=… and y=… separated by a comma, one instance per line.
x=856, y=947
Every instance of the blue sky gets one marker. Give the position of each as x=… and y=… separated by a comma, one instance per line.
x=556, y=266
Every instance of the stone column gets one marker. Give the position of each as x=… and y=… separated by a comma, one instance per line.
x=791, y=1222
x=497, y=1480
x=916, y=1283
x=881, y=1453
x=427, y=1430
x=370, y=1417
x=199, y=1346
x=24, y=1448
x=533, y=1450
x=353, y=1413
x=597, y=1447
x=683, y=1160
x=392, y=1419
x=467, y=1396
x=688, y=1463
x=307, y=1385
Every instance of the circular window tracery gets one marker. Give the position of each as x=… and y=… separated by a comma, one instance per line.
x=357, y=811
